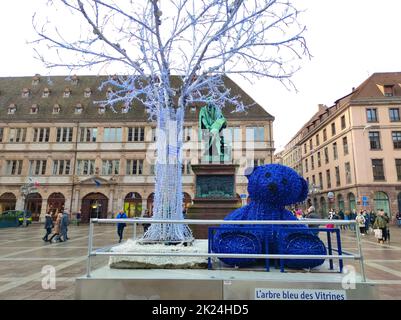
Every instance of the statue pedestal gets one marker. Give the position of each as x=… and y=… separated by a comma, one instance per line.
x=215, y=195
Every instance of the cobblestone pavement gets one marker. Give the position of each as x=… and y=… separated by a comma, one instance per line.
x=23, y=256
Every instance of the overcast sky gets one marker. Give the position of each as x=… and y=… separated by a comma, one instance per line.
x=349, y=40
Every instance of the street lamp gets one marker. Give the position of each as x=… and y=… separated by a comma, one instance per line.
x=26, y=189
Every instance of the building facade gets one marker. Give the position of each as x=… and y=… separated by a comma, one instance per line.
x=80, y=156
x=351, y=151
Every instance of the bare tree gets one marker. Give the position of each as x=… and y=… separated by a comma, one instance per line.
x=201, y=41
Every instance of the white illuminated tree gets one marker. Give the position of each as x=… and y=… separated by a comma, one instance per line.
x=147, y=41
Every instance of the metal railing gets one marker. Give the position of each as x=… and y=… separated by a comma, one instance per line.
x=136, y=221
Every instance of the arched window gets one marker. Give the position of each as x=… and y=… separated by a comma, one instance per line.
x=340, y=202
x=351, y=202
x=381, y=202
x=133, y=204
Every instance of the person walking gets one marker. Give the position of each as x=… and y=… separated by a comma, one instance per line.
x=367, y=221
x=64, y=226
x=57, y=227
x=381, y=223
x=48, y=226
x=361, y=222
x=121, y=226
x=398, y=217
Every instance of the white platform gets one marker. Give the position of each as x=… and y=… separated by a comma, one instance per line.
x=194, y=284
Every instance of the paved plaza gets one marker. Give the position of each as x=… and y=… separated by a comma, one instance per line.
x=23, y=256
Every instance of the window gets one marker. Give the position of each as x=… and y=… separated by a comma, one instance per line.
x=37, y=167
x=394, y=114
x=378, y=169
x=324, y=134
x=64, y=134
x=17, y=135
x=34, y=109
x=25, y=93
x=41, y=134
x=187, y=133
x=326, y=155
x=306, y=165
x=35, y=80
x=67, y=93
x=256, y=134
x=137, y=134
x=109, y=93
x=258, y=162
x=388, y=90
x=314, y=180
x=74, y=80
x=1, y=134
x=343, y=124
x=56, y=109
x=396, y=139
x=125, y=108
x=101, y=109
x=110, y=167
x=319, y=162
x=345, y=146
x=333, y=129
x=154, y=134
x=134, y=167
x=305, y=150
x=87, y=135
x=374, y=138
x=61, y=167
x=335, y=152
x=45, y=93
x=13, y=167
x=371, y=115
x=113, y=135
x=317, y=140
x=87, y=92
x=232, y=134
x=186, y=167
x=12, y=109
x=398, y=168
x=328, y=178
x=338, y=181
x=348, y=176
x=321, y=180
x=312, y=162
x=78, y=109
x=310, y=145
x=85, y=167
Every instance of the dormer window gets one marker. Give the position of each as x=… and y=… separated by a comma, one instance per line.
x=45, y=93
x=388, y=90
x=35, y=80
x=74, y=80
x=34, y=109
x=67, y=93
x=56, y=109
x=109, y=93
x=87, y=92
x=25, y=93
x=125, y=108
x=78, y=108
x=101, y=109
x=12, y=108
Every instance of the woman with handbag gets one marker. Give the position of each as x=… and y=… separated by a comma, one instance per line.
x=381, y=223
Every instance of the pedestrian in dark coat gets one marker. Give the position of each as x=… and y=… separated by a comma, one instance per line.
x=121, y=226
x=48, y=226
x=64, y=226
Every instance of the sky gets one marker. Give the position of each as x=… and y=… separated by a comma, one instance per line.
x=348, y=39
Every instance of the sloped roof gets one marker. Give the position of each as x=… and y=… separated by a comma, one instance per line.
x=11, y=92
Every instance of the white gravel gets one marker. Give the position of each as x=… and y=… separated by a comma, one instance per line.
x=164, y=262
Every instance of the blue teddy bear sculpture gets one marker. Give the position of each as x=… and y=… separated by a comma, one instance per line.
x=271, y=187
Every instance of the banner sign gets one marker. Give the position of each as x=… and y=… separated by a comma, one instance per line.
x=299, y=294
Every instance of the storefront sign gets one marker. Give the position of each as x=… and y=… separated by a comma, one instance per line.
x=299, y=294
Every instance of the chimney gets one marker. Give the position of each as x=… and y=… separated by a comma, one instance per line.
x=321, y=107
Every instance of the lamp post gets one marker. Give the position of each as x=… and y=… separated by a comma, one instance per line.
x=26, y=189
